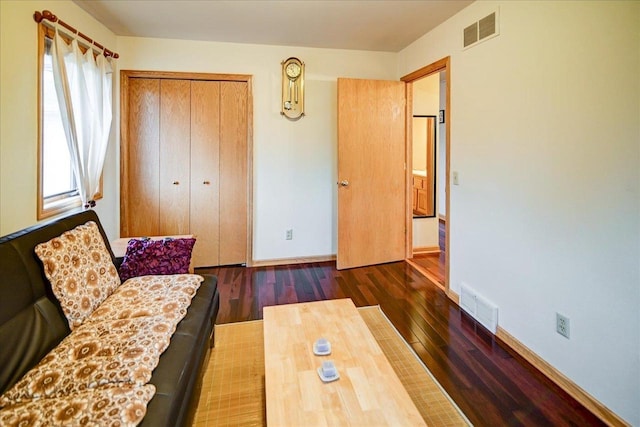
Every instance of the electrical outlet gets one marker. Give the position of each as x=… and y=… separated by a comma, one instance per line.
x=562, y=325
x=289, y=235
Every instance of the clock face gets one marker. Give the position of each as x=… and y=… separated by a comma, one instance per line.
x=293, y=70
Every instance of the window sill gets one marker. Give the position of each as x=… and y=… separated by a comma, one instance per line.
x=58, y=207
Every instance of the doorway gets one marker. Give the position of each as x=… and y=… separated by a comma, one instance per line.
x=428, y=93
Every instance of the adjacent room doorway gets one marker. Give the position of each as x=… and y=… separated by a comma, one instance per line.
x=371, y=203
x=435, y=265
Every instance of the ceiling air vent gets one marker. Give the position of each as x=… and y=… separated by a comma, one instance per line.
x=484, y=29
x=487, y=26
x=471, y=34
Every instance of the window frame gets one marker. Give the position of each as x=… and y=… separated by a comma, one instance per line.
x=64, y=202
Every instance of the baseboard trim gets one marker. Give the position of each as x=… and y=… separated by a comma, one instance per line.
x=426, y=250
x=295, y=260
x=591, y=403
x=453, y=297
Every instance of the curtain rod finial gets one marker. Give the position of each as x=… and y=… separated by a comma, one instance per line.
x=45, y=14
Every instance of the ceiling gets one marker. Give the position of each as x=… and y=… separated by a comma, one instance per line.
x=376, y=25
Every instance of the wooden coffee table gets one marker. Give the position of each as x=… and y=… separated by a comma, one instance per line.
x=368, y=391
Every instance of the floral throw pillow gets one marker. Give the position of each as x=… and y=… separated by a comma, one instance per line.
x=80, y=269
x=156, y=257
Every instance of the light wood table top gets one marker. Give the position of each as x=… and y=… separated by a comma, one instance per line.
x=368, y=391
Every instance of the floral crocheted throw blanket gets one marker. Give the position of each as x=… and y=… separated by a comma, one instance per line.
x=98, y=374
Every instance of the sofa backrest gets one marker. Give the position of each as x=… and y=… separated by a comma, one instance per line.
x=31, y=319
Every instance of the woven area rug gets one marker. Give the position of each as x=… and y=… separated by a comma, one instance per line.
x=233, y=390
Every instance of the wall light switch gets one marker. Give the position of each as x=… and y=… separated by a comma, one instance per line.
x=455, y=178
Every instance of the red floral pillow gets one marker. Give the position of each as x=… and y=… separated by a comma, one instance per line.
x=156, y=257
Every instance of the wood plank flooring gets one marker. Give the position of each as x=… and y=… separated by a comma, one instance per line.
x=491, y=384
x=433, y=265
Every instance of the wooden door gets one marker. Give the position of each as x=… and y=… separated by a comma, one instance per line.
x=233, y=172
x=175, y=137
x=205, y=164
x=140, y=192
x=371, y=172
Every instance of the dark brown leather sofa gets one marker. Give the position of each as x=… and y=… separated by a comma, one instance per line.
x=32, y=323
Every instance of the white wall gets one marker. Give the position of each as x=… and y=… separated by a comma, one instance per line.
x=426, y=95
x=295, y=163
x=19, y=109
x=545, y=129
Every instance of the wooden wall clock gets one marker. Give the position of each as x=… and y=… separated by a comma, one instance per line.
x=292, y=88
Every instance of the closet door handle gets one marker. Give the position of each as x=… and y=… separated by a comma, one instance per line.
x=176, y=183
x=206, y=182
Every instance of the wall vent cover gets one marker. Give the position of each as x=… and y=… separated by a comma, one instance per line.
x=471, y=34
x=482, y=30
x=468, y=300
x=485, y=312
x=487, y=26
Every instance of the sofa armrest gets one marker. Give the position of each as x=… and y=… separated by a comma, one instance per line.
x=117, y=261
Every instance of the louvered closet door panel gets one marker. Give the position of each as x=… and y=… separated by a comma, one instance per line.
x=205, y=182
x=140, y=191
x=175, y=144
x=233, y=172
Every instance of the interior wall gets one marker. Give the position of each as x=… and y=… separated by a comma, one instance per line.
x=295, y=162
x=426, y=95
x=545, y=124
x=19, y=113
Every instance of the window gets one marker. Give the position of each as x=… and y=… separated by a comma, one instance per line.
x=57, y=188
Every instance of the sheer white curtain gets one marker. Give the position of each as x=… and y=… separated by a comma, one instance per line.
x=83, y=85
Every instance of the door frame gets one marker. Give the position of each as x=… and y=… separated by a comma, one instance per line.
x=442, y=65
x=125, y=75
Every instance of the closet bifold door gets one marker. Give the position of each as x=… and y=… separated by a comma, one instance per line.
x=185, y=164
x=233, y=172
x=141, y=194
x=205, y=182
x=175, y=158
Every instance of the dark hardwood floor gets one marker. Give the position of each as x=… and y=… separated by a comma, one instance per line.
x=433, y=264
x=491, y=384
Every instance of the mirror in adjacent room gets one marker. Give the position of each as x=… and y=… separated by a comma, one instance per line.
x=424, y=153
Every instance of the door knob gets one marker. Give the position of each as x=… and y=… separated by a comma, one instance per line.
x=206, y=182
x=176, y=183
x=344, y=183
